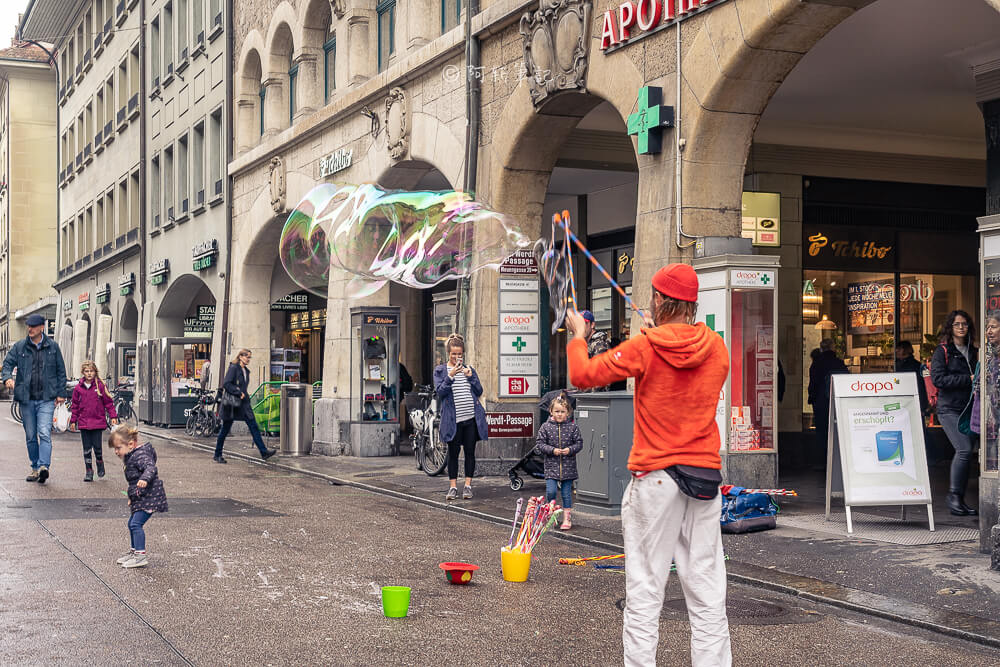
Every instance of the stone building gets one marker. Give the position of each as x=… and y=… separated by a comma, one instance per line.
x=647, y=121
x=98, y=270
x=185, y=194
x=27, y=189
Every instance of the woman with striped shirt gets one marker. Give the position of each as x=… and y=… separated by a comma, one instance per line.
x=463, y=418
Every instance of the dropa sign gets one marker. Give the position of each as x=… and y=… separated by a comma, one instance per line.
x=646, y=17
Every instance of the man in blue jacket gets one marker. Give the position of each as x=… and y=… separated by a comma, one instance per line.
x=40, y=386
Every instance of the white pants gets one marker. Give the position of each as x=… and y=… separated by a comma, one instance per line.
x=660, y=524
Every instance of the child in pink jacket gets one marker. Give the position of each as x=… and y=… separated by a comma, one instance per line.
x=92, y=407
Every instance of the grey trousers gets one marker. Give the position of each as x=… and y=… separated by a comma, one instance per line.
x=963, y=452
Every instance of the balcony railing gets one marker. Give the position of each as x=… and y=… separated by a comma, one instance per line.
x=98, y=43
x=199, y=199
x=108, y=134
x=98, y=141
x=156, y=221
x=156, y=82
x=86, y=60
x=183, y=58
x=133, y=105
x=79, y=160
x=216, y=28
x=218, y=189
x=87, y=155
x=120, y=118
x=170, y=214
x=79, y=72
x=120, y=12
x=168, y=75
x=184, y=206
x=108, y=32
x=199, y=43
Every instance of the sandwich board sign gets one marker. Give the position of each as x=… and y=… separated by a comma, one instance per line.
x=877, y=429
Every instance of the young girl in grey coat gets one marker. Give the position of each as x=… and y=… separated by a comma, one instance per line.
x=560, y=440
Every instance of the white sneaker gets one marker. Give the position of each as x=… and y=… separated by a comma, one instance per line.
x=137, y=560
x=126, y=558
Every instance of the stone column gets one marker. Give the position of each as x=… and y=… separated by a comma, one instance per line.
x=309, y=82
x=422, y=25
x=275, y=103
x=246, y=118
x=362, y=49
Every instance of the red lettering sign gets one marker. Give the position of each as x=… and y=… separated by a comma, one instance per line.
x=646, y=15
x=516, y=386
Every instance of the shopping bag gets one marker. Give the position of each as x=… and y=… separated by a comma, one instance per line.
x=60, y=418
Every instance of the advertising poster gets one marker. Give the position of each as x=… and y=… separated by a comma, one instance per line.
x=881, y=439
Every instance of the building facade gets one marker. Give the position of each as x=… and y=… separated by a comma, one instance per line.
x=28, y=167
x=186, y=241
x=99, y=273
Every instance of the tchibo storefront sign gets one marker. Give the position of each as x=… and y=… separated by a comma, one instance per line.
x=646, y=17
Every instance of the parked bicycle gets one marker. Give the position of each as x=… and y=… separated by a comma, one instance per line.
x=430, y=452
x=122, y=397
x=203, y=419
x=15, y=407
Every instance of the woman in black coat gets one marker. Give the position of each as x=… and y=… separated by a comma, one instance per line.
x=236, y=383
x=951, y=371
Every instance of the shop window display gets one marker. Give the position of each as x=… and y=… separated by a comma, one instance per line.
x=752, y=418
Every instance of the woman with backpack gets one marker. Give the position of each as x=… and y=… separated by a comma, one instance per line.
x=952, y=372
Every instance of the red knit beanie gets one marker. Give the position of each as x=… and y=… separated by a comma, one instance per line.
x=678, y=281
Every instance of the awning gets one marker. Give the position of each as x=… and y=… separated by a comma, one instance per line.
x=47, y=20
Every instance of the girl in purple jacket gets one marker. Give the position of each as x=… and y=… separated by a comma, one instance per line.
x=91, y=408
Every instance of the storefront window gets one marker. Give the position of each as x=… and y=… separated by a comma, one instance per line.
x=858, y=312
x=752, y=370
x=186, y=361
x=990, y=372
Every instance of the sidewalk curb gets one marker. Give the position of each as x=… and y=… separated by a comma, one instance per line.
x=802, y=587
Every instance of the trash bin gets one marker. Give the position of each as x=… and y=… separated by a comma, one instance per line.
x=296, y=419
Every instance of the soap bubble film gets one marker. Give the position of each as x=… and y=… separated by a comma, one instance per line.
x=417, y=239
x=554, y=269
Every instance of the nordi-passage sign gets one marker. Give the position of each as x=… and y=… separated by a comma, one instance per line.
x=876, y=425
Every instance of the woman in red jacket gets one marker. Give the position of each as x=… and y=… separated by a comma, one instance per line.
x=92, y=407
x=670, y=511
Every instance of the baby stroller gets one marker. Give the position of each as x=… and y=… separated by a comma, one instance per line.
x=532, y=464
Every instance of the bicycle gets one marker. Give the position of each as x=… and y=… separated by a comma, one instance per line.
x=431, y=454
x=15, y=406
x=203, y=421
x=122, y=398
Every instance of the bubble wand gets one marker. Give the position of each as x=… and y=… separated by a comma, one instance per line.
x=513, y=528
x=593, y=260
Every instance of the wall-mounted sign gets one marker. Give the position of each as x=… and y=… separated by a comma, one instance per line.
x=296, y=302
x=510, y=424
x=317, y=318
x=846, y=248
x=748, y=278
x=126, y=284
x=103, y=294
x=67, y=305
x=204, y=254
x=84, y=301
x=520, y=324
x=200, y=324
x=334, y=162
x=649, y=16
x=762, y=218
x=158, y=272
x=298, y=320
x=648, y=122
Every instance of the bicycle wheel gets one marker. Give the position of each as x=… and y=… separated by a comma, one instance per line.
x=15, y=411
x=125, y=413
x=435, y=452
x=417, y=442
x=191, y=427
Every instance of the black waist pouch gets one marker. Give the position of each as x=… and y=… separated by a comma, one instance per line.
x=699, y=483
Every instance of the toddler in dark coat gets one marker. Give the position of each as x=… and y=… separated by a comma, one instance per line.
x=145, y=489
x=560, y=440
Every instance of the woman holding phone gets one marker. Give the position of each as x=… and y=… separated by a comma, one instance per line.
x=463, y=418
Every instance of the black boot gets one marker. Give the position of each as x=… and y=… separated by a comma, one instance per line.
x=100, y=467
x=89, y=477
x=970, y=511
x=955, y=504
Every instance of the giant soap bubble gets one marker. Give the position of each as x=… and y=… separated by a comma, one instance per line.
x=416, y=239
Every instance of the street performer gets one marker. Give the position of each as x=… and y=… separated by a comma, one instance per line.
x=669, y=511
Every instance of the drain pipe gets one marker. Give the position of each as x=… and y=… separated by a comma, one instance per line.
x=226, y=189
x=679, y=145
x=473, y=58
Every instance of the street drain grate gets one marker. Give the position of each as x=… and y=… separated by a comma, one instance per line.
x=374, y=474
x=881, y=528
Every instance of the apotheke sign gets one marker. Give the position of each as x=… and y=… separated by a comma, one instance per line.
x=649, y=16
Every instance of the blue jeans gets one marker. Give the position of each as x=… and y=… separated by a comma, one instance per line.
x=135, y=524
x=37, y=419
x=254, y=433
x=565, y=485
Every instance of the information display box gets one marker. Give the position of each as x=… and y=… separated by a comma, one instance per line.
x=738, y=299
x=374, y=381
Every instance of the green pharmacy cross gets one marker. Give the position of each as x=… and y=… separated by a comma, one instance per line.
x=519, y=344
x=648, y=122
x=710, y=323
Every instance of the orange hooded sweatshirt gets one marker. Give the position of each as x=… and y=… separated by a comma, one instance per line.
x=680, y=370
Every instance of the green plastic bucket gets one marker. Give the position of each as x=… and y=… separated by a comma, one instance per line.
x=395, y=601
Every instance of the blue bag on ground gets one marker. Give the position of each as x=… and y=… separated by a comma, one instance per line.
x=747, y=512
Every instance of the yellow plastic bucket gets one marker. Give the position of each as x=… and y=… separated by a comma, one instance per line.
x=515, y=565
